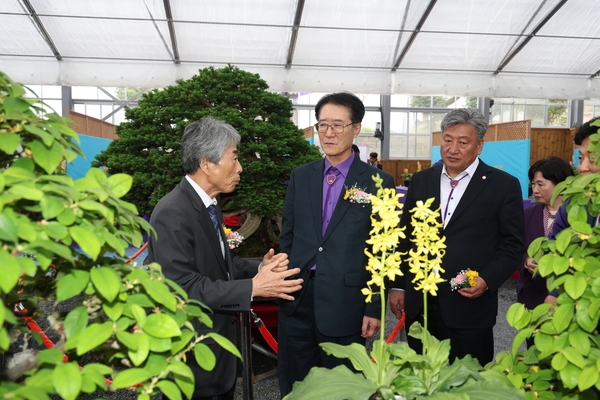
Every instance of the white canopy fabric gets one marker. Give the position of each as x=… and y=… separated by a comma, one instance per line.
x=483, y=48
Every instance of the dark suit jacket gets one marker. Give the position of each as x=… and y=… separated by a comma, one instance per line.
x=485, y=234
x=532, y=290
x=339, y=254
x=189, y=252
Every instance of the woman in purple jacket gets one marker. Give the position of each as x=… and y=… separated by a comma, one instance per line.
x=544, y=175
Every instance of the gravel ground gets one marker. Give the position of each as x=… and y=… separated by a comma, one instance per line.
x=268, y=389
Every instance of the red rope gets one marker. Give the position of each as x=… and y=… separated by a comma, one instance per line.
x=137, y=253
x=275, y=347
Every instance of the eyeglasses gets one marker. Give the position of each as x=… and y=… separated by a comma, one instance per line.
x=337, y=128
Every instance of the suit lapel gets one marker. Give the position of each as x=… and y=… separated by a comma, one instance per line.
x=356, y=175
x=316, y=192
x=476, y=185
x=205, y=222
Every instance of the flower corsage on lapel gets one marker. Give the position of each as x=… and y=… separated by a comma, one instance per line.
x=357, y=195
x=234, y=239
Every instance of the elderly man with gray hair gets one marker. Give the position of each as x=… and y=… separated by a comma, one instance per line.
x=482, y=215
x=192, y=249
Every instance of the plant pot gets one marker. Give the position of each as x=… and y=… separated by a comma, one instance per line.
x=406, y=182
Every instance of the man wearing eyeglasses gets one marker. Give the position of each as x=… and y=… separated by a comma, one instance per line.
x=324, y=235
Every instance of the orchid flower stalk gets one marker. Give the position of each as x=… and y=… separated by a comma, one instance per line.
x=383, y=262
x=426, y=258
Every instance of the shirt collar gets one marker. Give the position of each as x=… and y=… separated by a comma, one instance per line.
x=469, y=171
x=203, y=196
x=343, y=167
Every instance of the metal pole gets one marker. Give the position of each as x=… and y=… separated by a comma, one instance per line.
x=246, y=348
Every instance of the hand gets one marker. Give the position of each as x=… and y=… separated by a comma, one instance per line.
x=268, y=282
x=396, y=301
x=550, y=299
x=281, y=257
x=370, y=326
x=475, y=291
x=530, y=265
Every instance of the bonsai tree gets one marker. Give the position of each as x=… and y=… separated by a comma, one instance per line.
x=148, y=146
x=65, y=240
x=565, y=358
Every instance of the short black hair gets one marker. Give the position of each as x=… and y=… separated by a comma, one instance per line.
x=373, y=155
x=346, y=99
x=586, y=130
x=553, y=168
x=356, y=149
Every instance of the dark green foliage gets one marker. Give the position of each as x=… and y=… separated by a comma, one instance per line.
x=148, y=146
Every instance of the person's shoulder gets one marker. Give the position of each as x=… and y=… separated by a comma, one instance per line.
x=496, y=173
x=308, y=166
x=533, y=209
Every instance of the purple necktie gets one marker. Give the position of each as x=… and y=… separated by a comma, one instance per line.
x=332, y=174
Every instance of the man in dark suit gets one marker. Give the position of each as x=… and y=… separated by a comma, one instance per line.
x=192, y=249
x=374, y=161
x=324, y=232
x=482, y=212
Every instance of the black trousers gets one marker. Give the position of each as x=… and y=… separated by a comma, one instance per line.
x=478, y=342
x=299, y=340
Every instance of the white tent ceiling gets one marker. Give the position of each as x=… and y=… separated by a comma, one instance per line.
x=486, y=48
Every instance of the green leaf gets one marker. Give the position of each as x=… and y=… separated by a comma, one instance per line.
x=128, y=339
x=160, y=293
x=9, y=142
x=519, y=339
x=93, y=336
x=569, y=375
x=169, y=389
x=574, y=357
x=559, y=361
x=515, y=313
x=113, y=311
x=130, y=377
x=161, y=326
x=178, y=343
x=580, y=341
x=204, y=356
x=336, y=383
x=159, y=345
x=562, y=317
x=8, y=229
x=575, y=286
x=141, y=300
x=179, y=368
x=156, y=364
x=50, y=356
x=71, y=284
x=26, y=191
x=10, y=271
x=225, y=343
x=139, y=355
x=139, y=314
x=106, y=281
x=76, y=321
x=86, y=240
x=67, y=380
x=563, y=239
x=47, y=157
x=588, y=378
x=90, y=205
x=120, y=184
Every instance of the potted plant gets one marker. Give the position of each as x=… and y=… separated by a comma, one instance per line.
x=406, y=175
x=64, y=241
x=564, y=360
x=395, y=371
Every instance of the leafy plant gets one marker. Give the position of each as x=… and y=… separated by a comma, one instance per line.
x=564, y=361
x=148, y=146
x=65, y=240
x=395, y=371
